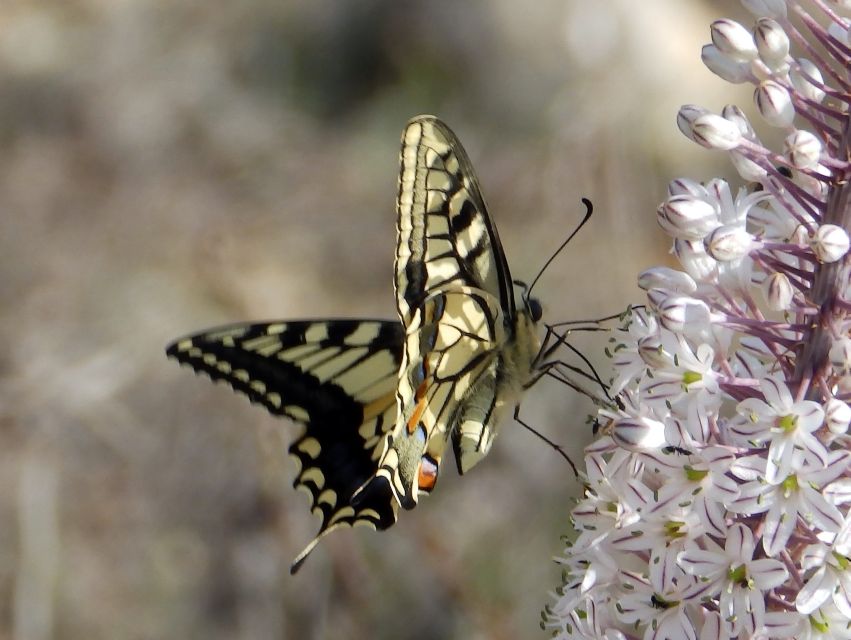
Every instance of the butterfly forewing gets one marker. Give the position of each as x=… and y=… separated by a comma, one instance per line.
x=338, y=379
x=445, y=235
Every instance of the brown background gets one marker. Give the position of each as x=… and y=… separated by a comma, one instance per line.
x=170, y=165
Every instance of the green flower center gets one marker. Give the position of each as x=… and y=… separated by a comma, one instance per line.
x=695, y=475
x=788, y=423
x=674, y=529
x=659, y=602
x=821, y=626
x=690, y=377
x=738, y=575
x=790, y=484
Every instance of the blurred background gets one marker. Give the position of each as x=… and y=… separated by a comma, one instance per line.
x=170, y=165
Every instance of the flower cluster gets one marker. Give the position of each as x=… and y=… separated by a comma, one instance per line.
x=718, y=496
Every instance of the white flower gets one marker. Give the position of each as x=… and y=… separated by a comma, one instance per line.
x=831, y=573
x=732, y=574
x=639, y=348
x=641, y=602
x=689, y=377
x=797, y=501
x=785, y=424
x=828, y=623
x=718, y=495
x=700, y=483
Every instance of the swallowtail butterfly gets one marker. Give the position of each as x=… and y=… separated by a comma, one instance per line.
x=378, y=400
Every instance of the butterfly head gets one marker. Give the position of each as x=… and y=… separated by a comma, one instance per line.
x=533, y=306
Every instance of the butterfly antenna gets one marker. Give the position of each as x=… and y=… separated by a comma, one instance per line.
x=589, y=209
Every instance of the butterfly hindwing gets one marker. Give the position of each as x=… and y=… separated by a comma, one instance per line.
x=337, y=378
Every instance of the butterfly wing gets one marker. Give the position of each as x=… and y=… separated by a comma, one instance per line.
x=446, y=239
x=337, y=378
x=454, y=295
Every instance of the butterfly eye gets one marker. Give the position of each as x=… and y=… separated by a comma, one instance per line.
x=536, y=311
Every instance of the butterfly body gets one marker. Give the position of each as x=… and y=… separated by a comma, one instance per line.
x=380, y=400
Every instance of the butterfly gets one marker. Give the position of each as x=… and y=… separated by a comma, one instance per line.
x=378, y=401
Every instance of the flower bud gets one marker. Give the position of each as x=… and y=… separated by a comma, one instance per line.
x=666, y=278
x=733, y=40
x=770, y=8
x=728, y=243
x=679, y=313
x=686, y=186
x=723, y=66
x=829, y=243
x=802, y=149
x=799, y=76
x=778, y=291
x=687, y=217
x=734, y=114
x=638, y=434
x=837, y=416
x=716, y=132
x=686, y=116
x=772, y=43
x=774, y=103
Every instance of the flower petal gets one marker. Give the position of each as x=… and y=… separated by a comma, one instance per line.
x=810, y=415
x=767, y=573
x=777, y=394
x=815, y=592
x=779, y=525
x=842, y=595
x=705, y=564
x=815, y=507
x=739, y=545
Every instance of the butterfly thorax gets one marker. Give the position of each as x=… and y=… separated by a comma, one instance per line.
x=520, y=355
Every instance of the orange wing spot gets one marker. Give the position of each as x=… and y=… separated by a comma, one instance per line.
x=427, y=475
x=414, y=420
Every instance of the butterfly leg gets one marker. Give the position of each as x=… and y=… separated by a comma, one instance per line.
x=557, y=447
